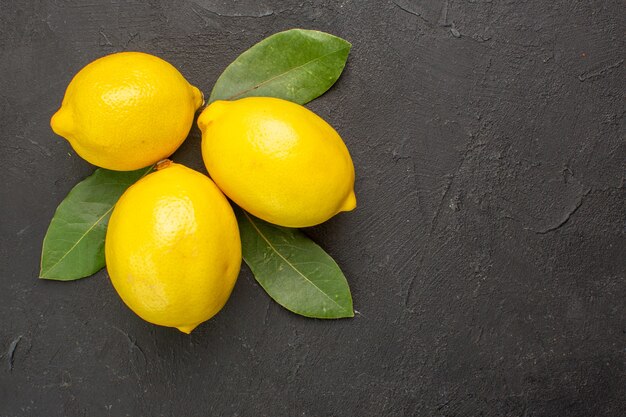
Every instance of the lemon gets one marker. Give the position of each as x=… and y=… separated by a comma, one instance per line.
x=126, y=111
x=277, y=160
x=172, y=247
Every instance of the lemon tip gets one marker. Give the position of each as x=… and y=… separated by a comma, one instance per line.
x=187, y=329
x=61, y=122
x=198, y=97
x=211, y=112
x=349, y=203
x=203, y=120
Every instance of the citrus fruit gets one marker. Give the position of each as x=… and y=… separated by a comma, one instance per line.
x=172, y=247
x=277, y=160
x=126, y=111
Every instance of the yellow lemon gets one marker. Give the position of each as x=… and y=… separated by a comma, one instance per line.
x=277, y=160
x=126, y=111
x=172, y=247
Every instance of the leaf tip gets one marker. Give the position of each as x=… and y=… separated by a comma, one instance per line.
x=349, y=314
x=45, y=274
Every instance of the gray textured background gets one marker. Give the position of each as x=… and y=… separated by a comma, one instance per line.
x=486, y=257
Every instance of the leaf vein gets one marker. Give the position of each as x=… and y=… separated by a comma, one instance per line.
x=97, y=222
x=289, y=263
x=259, y=85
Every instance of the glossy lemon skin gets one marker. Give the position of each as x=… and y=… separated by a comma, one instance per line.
x=172, y=248
x=277, y=160
x=126, y=111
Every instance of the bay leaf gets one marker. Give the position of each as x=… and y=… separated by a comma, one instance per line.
x=296, y=65
x=73, y=247
x=293, y=270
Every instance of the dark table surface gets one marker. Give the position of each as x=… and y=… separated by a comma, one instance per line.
x=486, y=257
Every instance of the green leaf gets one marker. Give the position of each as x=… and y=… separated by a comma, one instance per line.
x=74, y=244
x=296, y=65
x=294, y=271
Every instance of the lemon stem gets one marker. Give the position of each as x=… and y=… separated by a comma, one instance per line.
x=162, y=164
